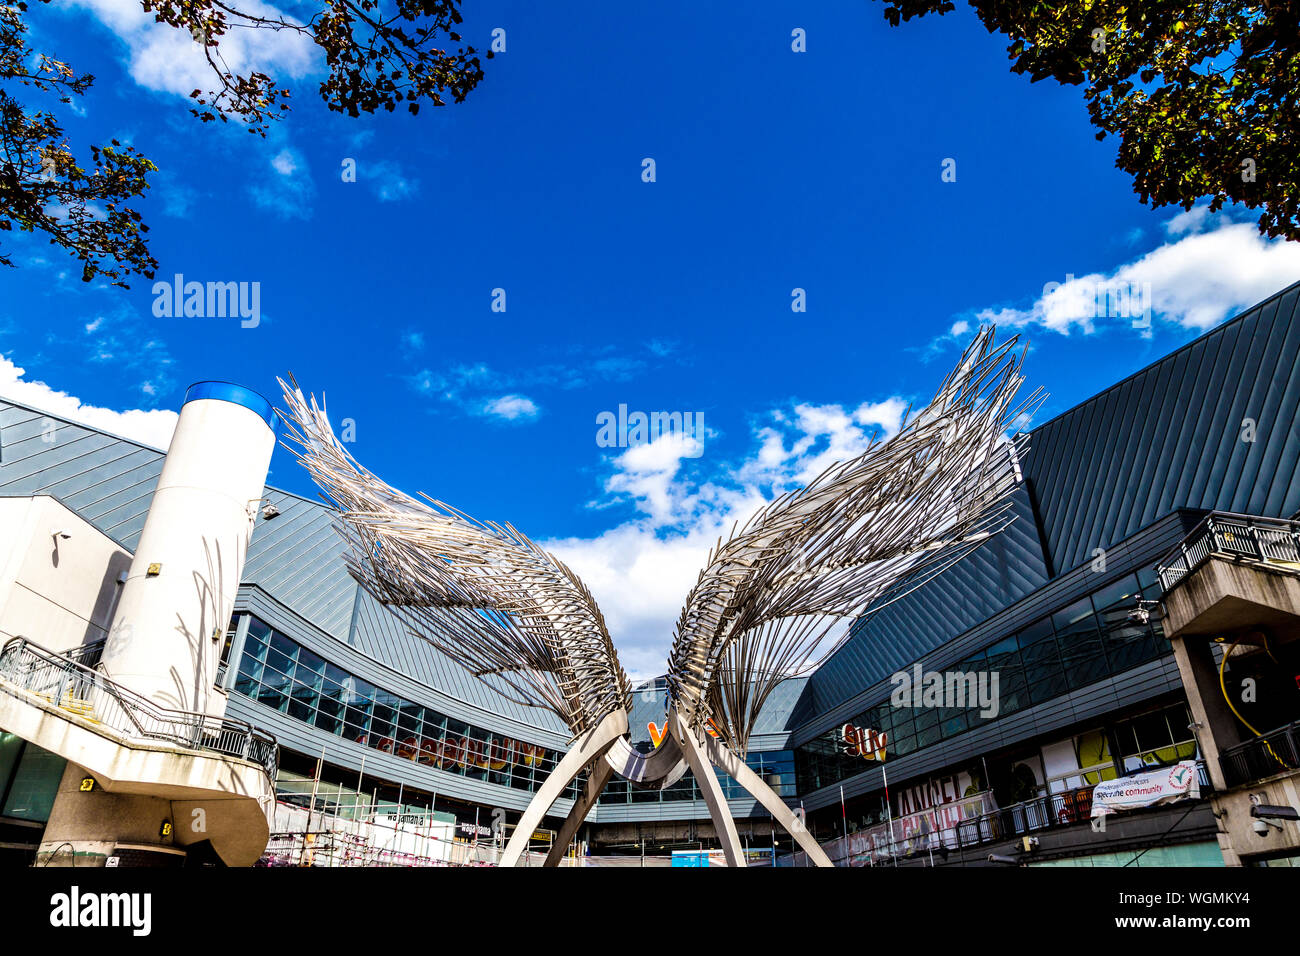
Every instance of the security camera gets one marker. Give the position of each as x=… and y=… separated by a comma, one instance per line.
x=1271, y=811
x=269, y=512
x=1142, y=613
x=61, y=533
x=1261, y=828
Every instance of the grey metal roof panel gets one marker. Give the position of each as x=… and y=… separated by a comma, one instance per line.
x=1169, y=436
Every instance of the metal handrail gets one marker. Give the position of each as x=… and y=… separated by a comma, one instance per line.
x=88, y=654
x=1052, y=811
x=1277, y=751
x=1270, y=540
x=91, y=695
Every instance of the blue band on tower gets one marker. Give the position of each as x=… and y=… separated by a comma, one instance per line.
x=235, y=394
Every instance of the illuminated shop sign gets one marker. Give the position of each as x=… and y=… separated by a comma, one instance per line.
x=864, y=743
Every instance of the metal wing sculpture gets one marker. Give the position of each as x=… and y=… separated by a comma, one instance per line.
x=482, y=593
x=767, y=606
x=853, y=540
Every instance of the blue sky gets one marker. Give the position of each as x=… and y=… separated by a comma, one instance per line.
x=775, y=170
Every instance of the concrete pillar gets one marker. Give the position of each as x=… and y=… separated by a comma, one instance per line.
x=88, y=823
x=1200, y=675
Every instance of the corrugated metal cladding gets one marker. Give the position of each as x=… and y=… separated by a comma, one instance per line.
x=998, y=574
x=1165, y=438
x=296, y=557
x=1170, y=436
x=106, y=480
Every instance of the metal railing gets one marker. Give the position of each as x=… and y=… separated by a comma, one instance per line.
x=1272, y=753
x=72, y=686
x=87, y=654
x=911, y=836
x=1271, y=540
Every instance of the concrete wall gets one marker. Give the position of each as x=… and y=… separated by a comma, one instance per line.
x=59, y=592
x=1237, y=836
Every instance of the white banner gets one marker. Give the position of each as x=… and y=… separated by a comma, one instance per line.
x=1146, y=789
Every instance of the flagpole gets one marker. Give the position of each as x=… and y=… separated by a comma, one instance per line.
x=889, y=813
x=844, y=819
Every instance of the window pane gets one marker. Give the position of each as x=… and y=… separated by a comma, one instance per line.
x=1048, y=689
x=1077, y=635
x=308, y=662
x=1122, y=592
x=283, y=644
x=35, y=784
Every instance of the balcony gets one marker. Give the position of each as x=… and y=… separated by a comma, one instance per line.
x=133, y=748
x=1271, y=541
x=1277, y=751
x=73, y=687
x=916, y=835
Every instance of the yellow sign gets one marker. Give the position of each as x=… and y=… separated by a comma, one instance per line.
x=658, y=733
x=87, y=784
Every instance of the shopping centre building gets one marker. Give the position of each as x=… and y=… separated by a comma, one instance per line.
x=1056, y=672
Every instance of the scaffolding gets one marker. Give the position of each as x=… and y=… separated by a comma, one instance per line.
x=320, y=824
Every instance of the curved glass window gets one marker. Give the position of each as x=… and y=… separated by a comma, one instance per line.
x=279, y=673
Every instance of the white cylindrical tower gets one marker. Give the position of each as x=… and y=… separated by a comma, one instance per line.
x=179, y=595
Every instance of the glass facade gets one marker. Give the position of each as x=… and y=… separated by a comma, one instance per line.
x=774, y=766
x=281, y=674
x=1084, y=642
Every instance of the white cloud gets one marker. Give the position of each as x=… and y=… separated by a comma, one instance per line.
x=389, y=182
x=1211, y=269
x=167, y=59
x=640, y=580
x=1203, y=279
x=641, y=570
x=285, y=162
x=151, y=427
x=511, y=408
x=289, y=192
